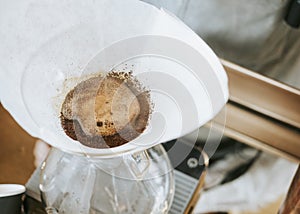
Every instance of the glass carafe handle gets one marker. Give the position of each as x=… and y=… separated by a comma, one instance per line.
x=138, y=164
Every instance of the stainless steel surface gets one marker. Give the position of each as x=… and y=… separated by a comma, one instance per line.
x=184, y=190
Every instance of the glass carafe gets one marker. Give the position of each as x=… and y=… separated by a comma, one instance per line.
x=131, y=183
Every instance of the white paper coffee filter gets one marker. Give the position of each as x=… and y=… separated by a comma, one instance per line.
x=187, y=82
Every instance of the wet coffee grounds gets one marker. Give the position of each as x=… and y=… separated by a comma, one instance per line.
x=106, y=111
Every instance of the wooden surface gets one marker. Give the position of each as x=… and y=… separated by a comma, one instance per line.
x=263, y=113
x=292, y=201
x=16, y=151
x=264, y=95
